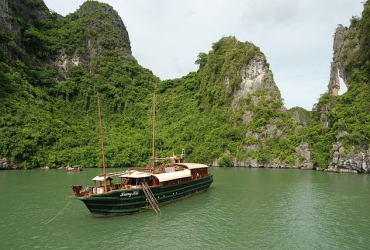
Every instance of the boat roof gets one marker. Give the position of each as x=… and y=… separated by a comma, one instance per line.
x=193, y=165
x=100, y=178
x=173, y=175
x=135, y=174
x=165, y=176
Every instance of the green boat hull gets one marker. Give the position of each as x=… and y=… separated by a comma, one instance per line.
x=128, y=201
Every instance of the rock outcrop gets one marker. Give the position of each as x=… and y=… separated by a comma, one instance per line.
x=256, y=76
x=337, y=65
x=29, y=13
x=252, y=78
x=99, y=38
x=6, y=165
x=341, y=51
x=350, y=160
x=256, y=99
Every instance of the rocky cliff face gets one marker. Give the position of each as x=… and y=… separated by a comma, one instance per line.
x=343, y=45
x=103, y=25
x=346, y=43
x=264, y=120
x=352, y=162
x=337, y=64
x=104, y=32
x=27, y=12
x=252, y=78
x=256, y=76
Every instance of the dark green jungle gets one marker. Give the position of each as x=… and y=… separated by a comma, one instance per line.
x=49, y=115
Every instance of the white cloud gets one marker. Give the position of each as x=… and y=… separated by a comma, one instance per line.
x=295, y=35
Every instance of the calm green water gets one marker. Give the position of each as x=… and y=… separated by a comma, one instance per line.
x=244, y=209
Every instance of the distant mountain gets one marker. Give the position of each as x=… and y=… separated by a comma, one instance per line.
x=228, y=113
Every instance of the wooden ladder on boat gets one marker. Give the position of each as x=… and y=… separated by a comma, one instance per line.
x=150, y=196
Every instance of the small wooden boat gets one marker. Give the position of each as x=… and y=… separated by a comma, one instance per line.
x=75, y=168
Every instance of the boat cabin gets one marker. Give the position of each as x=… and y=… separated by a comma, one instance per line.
x=98, y=187
x=165, y=175
x=133, y=179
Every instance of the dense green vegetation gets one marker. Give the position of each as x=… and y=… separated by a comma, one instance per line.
x=49, y=115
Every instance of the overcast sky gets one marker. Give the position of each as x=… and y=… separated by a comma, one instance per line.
x=296, y=36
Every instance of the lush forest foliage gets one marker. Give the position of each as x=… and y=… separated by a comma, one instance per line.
x=49, y=117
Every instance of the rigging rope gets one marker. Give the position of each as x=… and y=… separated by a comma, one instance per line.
x=58, y=213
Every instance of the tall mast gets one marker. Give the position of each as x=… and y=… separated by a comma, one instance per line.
x=102, y=144
x=153, y=132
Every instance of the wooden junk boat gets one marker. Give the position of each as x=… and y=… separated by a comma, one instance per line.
x=143, y=188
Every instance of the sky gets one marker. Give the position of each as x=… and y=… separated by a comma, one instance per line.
x=296, y=36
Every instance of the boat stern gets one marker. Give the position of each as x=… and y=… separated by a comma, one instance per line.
x=77, y=190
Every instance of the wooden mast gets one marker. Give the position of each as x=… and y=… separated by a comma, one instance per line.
x=153, y=132
x=102, y=144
